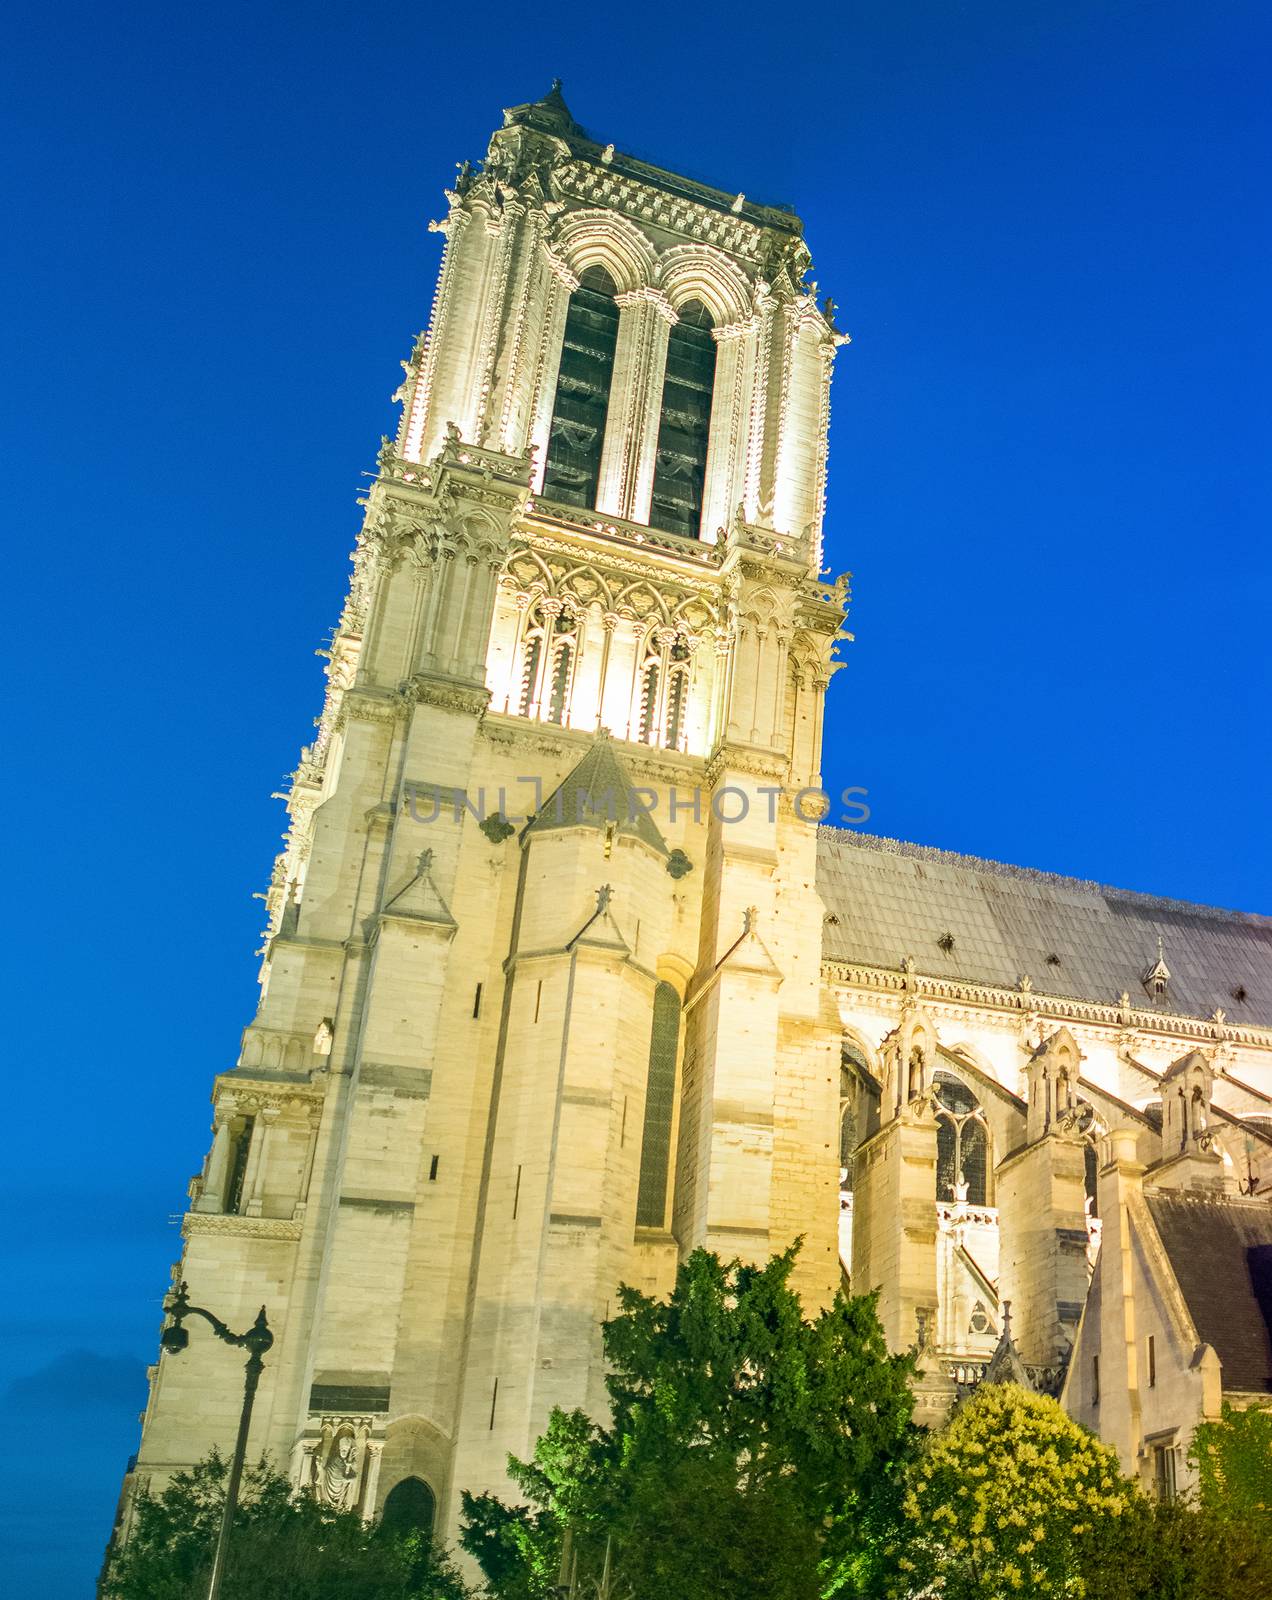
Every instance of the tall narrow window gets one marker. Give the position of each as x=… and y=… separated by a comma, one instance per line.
x=660, y=1093
x=681, y=466
x=238, y=1165
x=677, y=695
x=582, y=395
x=1164, y=1472
x=562, y=666
x=531, y=651
x=649, y=702
x=1091, y=1178
x=848, y=1137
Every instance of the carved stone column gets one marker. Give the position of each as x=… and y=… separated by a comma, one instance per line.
x=254, y=1183
x=626, y=486
x=371, y=1478
x=315, y=1122
x=213, y=1196
x=560, y=284
x=730, y=419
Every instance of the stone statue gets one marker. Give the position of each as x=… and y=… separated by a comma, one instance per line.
x=338, y=1485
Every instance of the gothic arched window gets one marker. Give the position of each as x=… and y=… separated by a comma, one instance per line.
x=660, y=1094
x=410, y=1507
x=662, y=690
x=549, y=650
x=577, y=433
x=681, y=464
x=962, y=1143
x=1091, y=1178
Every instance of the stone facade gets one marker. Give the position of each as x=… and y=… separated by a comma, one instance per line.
x=561, y=977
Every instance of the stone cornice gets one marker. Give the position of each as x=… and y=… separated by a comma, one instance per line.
x=642, y=761
x=284, y=1229
x=1029, y=1002
x=746, y=758
x=424, y=689
x=362, y=703
x=251, y=1093
x=544, y=522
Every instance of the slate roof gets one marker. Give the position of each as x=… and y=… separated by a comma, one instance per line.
x=886, y=900
x=1220, y=1251
x=596, y=793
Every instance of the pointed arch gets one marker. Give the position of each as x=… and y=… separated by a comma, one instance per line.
x=410, y=1507
x=626, y=603
x=587, y=586
x=595, y=238
x=697, y=272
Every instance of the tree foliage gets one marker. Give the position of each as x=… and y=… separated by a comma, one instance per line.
x=281, y=1544
x=1006, y=1500
x=750, y=1452
x=1176, y=1551
x=1233, y=1461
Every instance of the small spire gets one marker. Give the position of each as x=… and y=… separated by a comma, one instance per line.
x=1158, y=975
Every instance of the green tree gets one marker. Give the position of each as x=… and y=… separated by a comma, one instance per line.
x=1233, y=1461
x=751, y=1452
x=1175, y=1551
x=282, y=1544
x=1006, y=1500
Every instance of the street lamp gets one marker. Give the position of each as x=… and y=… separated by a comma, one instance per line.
x=256, y=1341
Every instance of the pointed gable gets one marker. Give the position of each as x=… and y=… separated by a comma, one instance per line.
x=599, y=793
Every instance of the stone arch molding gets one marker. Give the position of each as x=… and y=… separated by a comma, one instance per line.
x=606, y=239
x=594, y=238
x=698, y=272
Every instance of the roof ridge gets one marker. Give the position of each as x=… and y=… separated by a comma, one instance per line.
x=883, y=845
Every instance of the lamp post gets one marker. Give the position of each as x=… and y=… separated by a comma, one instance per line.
x=256, y=1341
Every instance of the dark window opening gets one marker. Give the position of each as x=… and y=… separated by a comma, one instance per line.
x=560, y=677
x=238, y=1165
x=649, y=703
x=530, y=672
x=847, y=1139
x=660, y=1094
x=579, y=410
x=1164, y=1472
x=676, y=709
x=1090, y=1179
x=411, y=1507
x=680, y=467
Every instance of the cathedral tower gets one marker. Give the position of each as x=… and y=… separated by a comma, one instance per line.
x=540, y=1003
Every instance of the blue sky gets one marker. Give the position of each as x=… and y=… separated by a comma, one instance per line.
x=1047, y=227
